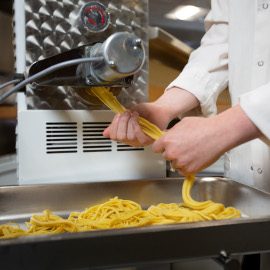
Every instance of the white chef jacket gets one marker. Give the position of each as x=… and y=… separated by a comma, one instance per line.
x=236, y=51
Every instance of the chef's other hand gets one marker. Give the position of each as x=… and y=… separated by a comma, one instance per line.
x=196, y=142
x=190, y=145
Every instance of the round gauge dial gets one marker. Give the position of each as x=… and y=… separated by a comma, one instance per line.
x=95, y=16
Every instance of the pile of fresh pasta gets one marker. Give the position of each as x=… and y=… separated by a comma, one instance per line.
x=119, y=213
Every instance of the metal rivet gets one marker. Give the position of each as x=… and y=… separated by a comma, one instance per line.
x=259, y=171
x=265, y=6
x=89, y=81
x=112, y=64
x=138, y=42
x=260, y=63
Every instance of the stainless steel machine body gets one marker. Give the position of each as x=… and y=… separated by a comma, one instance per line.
x=56, y=27
x=59, y=123
x=133, y=246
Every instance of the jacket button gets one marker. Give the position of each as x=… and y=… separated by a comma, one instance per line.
x=260, y=63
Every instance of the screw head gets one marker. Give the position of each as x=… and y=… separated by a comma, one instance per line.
x=112, y=64
x=138, y=42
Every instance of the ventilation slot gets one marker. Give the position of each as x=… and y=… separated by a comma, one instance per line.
x=93, y=140
x=124, y=147
x=61, y=137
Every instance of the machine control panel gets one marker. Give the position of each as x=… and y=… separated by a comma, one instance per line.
x=95, y=17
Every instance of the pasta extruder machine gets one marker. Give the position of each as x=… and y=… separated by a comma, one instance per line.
x=59, y=125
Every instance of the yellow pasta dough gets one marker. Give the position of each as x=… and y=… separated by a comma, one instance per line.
x=119, y=213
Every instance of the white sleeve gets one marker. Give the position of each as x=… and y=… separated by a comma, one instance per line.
x=256, y=105
x=206, y=74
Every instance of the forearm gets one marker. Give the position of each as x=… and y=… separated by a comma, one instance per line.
x=197, y=142
x=206, y=74
x=234, y=127
x=176, y=102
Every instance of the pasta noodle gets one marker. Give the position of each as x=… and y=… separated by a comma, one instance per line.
x=119, y=213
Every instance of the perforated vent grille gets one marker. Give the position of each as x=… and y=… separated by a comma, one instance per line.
x=124, y=147
x=61, y=137
x=93, y=140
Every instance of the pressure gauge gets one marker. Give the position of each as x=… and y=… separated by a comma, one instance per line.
x=95, y=17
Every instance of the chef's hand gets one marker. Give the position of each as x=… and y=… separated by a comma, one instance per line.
x=195, y=142
x=172, y=103
x=125, y=127
x=190, y=145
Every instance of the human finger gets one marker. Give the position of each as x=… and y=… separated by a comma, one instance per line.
x=139, y=134
x=130, y=131
x=180, y=166
x=113, y=127
x=106, y=132
x=131, y=137
x=158, y=146
x=122, y=129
